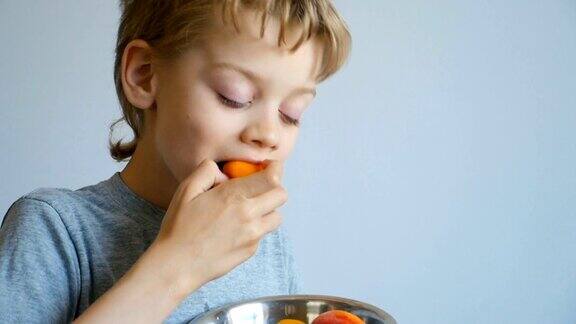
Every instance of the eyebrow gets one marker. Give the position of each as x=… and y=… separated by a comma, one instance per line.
x=256, y=78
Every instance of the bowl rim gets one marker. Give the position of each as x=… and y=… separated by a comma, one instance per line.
x=378, y=311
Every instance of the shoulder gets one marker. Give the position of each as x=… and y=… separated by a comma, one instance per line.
x=65, y=202
x=56, y=199
x=37, y=207
x=33, y=224
x=39, y=263
x=43, y=206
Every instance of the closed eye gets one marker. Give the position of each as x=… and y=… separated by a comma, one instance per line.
x=232, y=103
x=238, y=105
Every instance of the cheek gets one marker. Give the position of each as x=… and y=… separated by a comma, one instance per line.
x=188, y=113
x=287, y=145
x=189, y=128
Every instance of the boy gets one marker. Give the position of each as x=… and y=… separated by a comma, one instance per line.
x=200, y=83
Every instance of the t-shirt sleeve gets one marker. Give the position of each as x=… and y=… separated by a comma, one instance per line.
x=39, y=272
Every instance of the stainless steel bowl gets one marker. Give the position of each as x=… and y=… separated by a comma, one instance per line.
x=270, y=310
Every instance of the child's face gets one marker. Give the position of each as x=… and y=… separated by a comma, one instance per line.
x=193, y=121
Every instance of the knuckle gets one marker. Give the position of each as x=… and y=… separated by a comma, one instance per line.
x=277, y=220
x=232, y=196
x=209, y=166
x=208, y=163
x=188, y=191
x=283, y=193
x=186, y=183
x=253, y=234
x=273, y=179
x=245, y=212
x=212, y=165
x=252, y=249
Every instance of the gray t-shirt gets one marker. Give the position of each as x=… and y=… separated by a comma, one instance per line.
x=61, y=249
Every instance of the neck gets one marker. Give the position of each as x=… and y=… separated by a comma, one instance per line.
x=149, y=177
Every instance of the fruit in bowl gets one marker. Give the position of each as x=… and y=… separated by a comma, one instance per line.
x=330, y=317
x=337, y=317
x=290, y=321
x=296, y=309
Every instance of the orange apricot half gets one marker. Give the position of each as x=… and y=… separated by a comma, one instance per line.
x=236, y=169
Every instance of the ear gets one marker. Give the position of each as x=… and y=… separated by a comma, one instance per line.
x=138, y=79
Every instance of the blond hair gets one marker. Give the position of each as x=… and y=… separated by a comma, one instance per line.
x=173, y=26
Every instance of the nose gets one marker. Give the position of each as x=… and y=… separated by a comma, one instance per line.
x=263, y=131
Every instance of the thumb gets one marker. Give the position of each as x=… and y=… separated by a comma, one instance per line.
x=202, y=179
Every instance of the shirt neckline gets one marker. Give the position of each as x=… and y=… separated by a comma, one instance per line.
x=127, y=198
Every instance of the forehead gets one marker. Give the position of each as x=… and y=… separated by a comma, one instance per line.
x=263, y=56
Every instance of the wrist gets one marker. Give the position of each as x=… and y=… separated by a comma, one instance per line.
x=170, y=271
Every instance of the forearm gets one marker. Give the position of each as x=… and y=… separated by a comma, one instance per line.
x=147, y=293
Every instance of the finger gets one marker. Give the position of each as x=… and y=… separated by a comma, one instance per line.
x=261, y=181
x=204, y=177
x=268, y=201
x=271, y=222
x=277, y=166
x=221, y=177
